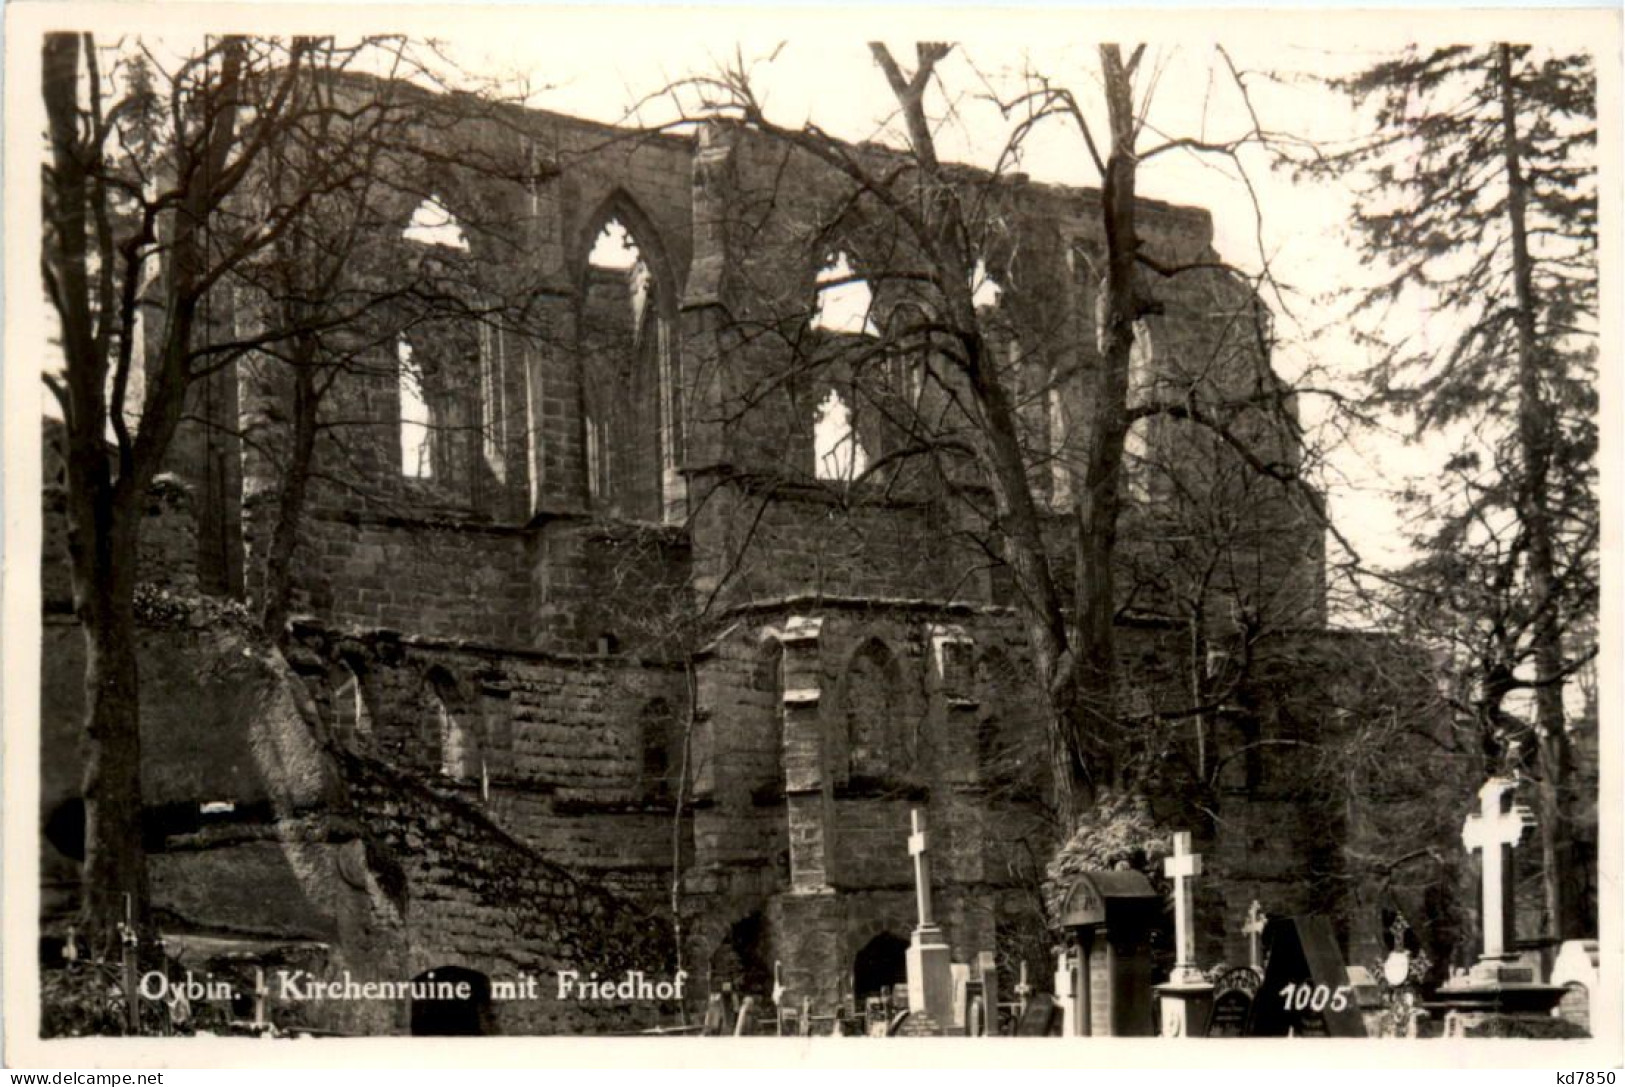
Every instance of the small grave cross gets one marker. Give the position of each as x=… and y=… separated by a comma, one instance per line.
x=922, y=866
x=1494, y=830
x=1183, y=868
x=1254, y=928
x=1023, y=988
x=262, y=994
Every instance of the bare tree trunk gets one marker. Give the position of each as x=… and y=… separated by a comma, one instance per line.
x=1099, y=502
x=115, y=883
x=106, y=506
x=102, y=540
x=1074, y=747
x=278, y=585
x=1534, y=440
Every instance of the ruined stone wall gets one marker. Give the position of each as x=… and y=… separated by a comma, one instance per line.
x=476, y=897
x=579, y=756
x=437, y=578
x=774, y=543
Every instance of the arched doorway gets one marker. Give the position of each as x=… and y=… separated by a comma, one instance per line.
x=879, y=965
x=441, y=1012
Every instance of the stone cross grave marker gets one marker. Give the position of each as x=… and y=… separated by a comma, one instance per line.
x=1494, y=830
x=1254, y=928
x=922, y=867
x=1183, y=868
x=930, y=974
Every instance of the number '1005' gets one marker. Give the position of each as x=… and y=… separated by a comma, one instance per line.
x=1316, y=998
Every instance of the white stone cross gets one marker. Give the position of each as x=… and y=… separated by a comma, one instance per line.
x=922, y=866
x=1254, y=928
x=262, y=993
x=1494, y=829
x=1183, y=868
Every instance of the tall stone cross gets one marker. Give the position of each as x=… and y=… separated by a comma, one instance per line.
x=922, y=866
x=1494, y=830
x=1254, y=928
x=930, y=973
x=1183, y=868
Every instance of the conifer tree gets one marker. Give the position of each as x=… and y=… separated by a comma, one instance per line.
x=1476, y=197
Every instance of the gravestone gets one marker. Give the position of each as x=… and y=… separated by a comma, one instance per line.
x=745, y=1023
x=959, y=972
x=1305, y=991
x=715, y=1015
x=1233, y=993
x=1576, y=972
x=987, y=985
x=1041, y=1018
x=1106, y=970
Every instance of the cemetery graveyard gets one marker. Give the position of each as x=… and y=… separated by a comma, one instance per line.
x=627, y=643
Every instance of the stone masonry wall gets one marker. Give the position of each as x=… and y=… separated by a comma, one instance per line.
x=476, y=897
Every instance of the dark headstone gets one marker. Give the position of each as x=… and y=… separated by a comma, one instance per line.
x=1306, y=990
x=1233, y=993
x=1040, y=1019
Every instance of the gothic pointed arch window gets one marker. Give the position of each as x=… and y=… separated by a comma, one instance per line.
x=845, y=303
x=879, y=745
x=634, y=405
x=416, y=417
x=1141, y=382
x=986, y=293
x=351, y=718
x=432, y=223
x=453, y=369
x=908, y=348
x=838, y=451
x=458, y=742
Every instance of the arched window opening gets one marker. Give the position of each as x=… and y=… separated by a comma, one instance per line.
x=657, y=744
x=1136, y=443
x=985, y=290
x=1060, y=445
x=432, y=223
x=493, y=399
x=878, y=747
x=845, y=303
x=460, y=757
x=351, y=718
x=837, y=453
x=634, y=427
x=908, y=348
x=417, y=422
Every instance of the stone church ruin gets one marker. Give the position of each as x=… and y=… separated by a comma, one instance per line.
x=623, y=638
